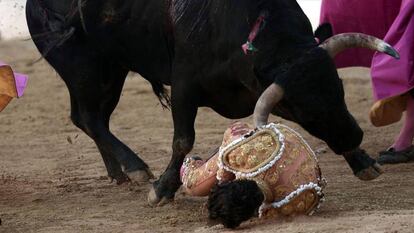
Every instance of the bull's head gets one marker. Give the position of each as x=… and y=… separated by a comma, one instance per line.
x=311, y=93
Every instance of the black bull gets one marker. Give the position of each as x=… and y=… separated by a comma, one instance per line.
x=194, y=46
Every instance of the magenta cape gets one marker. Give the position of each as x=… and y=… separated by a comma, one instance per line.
x=392, y=77
x=373, y=17
x=20, y=80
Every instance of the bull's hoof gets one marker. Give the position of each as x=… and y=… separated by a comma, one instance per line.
x=140, y=176
x=154, y=200
x=363, y=166
x=370, y=173
x=120, y=179
x=163, y=190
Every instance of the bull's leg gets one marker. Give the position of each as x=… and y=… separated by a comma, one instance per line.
x=111, y=100
x=113, y=167
x=95, y=86
x=96, y=97
x=114, y=152
x=184, y=111
x=363, y=166
x=94, y=82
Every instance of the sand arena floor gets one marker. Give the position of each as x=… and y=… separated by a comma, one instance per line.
x=52, y=178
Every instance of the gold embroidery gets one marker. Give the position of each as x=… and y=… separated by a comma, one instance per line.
x=246, y=149
x=240, y=161
x=302, y=204
x=272, y=177
x=286, y=210
x=252, y=161
x=271, y=212
x=310, y=197
x=253, y=153
x=267, y=140
x=259, y=147
x=300, y=207
x=281, y=191
x=297, y=166
x=303, y=175
x=232, y=159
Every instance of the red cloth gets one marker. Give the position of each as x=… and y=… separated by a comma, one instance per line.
x=373, y=17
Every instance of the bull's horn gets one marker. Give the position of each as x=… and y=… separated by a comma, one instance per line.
x=264, y=106
x=340, y=42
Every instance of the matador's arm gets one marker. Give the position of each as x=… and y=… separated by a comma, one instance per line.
x=198, y=177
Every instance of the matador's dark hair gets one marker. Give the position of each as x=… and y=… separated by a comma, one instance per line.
x=232, y=203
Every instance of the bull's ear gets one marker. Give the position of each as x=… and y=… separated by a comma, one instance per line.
x=323, y=32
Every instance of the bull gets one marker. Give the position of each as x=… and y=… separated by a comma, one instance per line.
x=194, y=46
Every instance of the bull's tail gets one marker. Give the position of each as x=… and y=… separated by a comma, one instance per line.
x=162, y=95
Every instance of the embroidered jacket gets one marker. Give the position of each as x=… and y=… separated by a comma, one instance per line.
x=276, y=157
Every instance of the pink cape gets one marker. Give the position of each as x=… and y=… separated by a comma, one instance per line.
x=392, y=77
x=373, y=17
x=21, y=81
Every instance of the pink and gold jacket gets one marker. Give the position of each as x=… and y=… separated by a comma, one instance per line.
x=276, y=157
